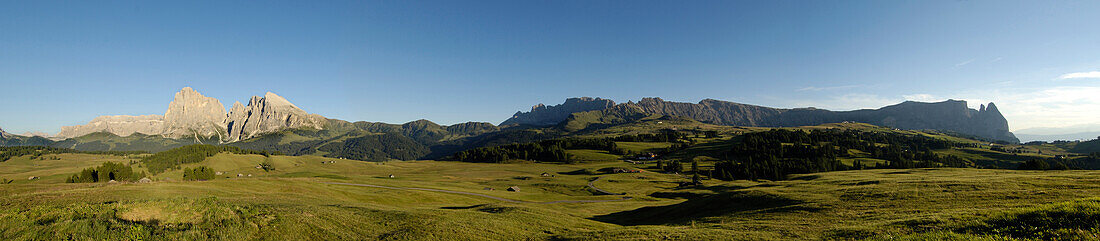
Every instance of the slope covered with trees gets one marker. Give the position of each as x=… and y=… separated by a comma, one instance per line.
x=170, y=159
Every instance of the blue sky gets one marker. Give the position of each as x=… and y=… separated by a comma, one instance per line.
x=64, y=63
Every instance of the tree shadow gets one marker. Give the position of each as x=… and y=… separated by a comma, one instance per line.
x=702, y=206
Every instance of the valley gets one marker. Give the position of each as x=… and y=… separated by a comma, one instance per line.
x=603, y=172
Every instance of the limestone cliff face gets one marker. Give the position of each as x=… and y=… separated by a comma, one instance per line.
x=192, y=114
x=267, y=114
x=549, y=115
x=122, y=125
x=951, y=115
x=711, y=111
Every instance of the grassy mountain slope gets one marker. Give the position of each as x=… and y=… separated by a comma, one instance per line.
x=1087, y=147
x=15, y=140
x=103, y=141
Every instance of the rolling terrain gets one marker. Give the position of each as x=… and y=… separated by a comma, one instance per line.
x=604, y=171
x=430, y=200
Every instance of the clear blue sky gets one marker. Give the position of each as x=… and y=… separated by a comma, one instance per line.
x=66, y=62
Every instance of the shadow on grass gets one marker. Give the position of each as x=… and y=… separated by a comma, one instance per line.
x=703, y=206
x=488, y=208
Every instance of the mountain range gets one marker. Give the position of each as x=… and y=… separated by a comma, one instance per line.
x=273, y=123
x=190, y=114
x=951, y=115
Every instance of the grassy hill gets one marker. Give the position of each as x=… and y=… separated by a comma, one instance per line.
x=1086, y=147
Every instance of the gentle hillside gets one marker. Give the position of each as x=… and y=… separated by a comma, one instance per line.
x=1087, y=147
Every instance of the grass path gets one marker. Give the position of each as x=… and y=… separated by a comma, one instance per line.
x=477, y=194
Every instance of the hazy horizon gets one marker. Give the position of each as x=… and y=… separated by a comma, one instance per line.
x=454, y=62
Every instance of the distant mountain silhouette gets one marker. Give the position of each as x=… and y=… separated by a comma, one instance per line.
x=951, y=115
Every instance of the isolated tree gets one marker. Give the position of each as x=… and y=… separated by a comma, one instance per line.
x=695, y=172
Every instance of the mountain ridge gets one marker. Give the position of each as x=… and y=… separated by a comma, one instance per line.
x=190, y=114
x=951, y=115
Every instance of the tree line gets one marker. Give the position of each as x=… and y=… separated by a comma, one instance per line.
x=777, y=153
x=554, y=150
x=106, y=172
x=6, y=153
x=1089, y=162
x=543, y=151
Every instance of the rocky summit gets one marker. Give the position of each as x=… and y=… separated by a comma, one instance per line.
x=190, y=114
x=265, y=115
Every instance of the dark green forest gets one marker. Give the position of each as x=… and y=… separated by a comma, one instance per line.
x=777, y=153
x=6, y=153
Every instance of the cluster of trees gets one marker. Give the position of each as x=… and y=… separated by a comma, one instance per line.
x=6, y=153
x=670, y=166
x=267, y=165
x=201, y=173
x=554, y=150
x=1089, y=162
x=777, y=153
x=173, y=158
x=106, y=172
x=544, y=151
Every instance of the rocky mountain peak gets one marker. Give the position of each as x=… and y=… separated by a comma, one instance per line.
x=548, y=115
x=191, y=113
x=992, y=108
x=267, y=114
x=271, y=99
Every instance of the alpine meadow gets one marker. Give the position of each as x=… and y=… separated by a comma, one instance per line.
x=413, y=120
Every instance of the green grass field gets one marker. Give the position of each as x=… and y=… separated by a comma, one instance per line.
x=294, y=202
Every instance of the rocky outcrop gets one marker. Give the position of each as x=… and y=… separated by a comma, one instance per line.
x=121, y=125
x=192, y=114
x=952, y=115
x=543, y=115
x=267, y=114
